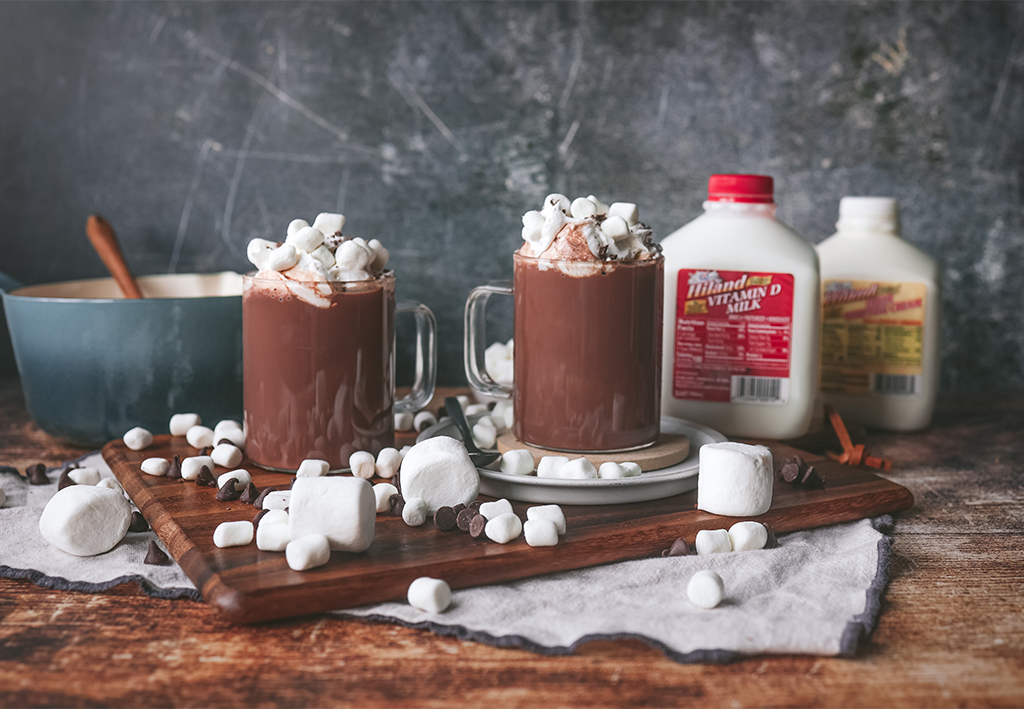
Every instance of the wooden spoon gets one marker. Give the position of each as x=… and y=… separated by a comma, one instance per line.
x=103, y=239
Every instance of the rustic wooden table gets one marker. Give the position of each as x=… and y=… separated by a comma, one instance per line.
x=951, y=632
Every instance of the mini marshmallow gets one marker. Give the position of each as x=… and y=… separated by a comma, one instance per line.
x=404, y=421
x=517, y=462
x=498, y=423
x=312, y=468
x=274, y=517
x=329, y=224
x=181, y=423
x=382, y=493
x=533, y=222
x=380, y=256
x=230, y=430
x=353, y=256
x=388, y=462
x=463, y=401
x=509, y=416
x=582, y=208
x=705, y=589
x=748, y=536
x=343, y=509
x=156, y=466
x=279, y=499
x=308, y=552
x=295, y=226
x=241, y=476
x=306, y=239
x=474, y=409
x=282, y=258
x=626, y=210
x=190, y=466
x=362, y=464
x=611, y=471
x=226, y=455
x=551, y=513
x=429, y=595
x=615, y=228
x=233, y=534
x=415, y=511
x=138, y=438
x=492, y=510
x=258, y=252
x=199, y=436
x=87, y=476
x=484, y=435
x=713, y=541
x=500, y=408
x=735, y=479
x=424, y=419
x=631, y=470
x=404, y=451
x=556, y=202
x=540, y=533
x=504, y=528
x=324, y=256
x=85, y=520
x=349, y=275
x=273, y=536
x=111, y=484
x=439, y=471
x=578, y=469
x=550, y=466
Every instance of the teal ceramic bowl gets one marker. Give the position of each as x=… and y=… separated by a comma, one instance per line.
x=93, y=364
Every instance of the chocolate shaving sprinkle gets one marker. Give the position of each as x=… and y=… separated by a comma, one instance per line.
x=258, y=502
x=464, y=517
x=249, y=494
x=37, y=474
x=156, y=556
x=258, y=517
x=174, y=473
x=138, y=523
x=476, y=526
x=227, y=492
x=9, y=469
x=205, y=478
x=65, y=479
x=444, y=519
x=679, y=548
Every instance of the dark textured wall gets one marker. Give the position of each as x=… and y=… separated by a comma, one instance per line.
x=194, y=127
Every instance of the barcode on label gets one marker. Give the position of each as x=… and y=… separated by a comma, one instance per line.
x=898, y=384
x=760, y=390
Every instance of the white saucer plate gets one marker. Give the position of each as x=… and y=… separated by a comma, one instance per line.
x=651, y=485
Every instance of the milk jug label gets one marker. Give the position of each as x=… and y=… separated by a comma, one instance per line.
x=871, y=337
x=733, y=336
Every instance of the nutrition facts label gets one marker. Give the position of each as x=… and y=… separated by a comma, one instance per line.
x=732, y=338
x=872, y=337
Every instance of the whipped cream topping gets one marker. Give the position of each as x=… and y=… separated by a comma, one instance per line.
x=587, y=229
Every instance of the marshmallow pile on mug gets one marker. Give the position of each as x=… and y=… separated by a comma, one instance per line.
x=320, y=252
x=610, y=232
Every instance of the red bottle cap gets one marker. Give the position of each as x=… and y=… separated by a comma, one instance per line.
x=741, y=188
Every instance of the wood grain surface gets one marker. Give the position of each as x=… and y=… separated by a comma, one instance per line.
x=248, y=585
x=951, y=633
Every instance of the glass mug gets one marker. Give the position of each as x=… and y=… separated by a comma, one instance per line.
x=587, y=355
x=318, y=363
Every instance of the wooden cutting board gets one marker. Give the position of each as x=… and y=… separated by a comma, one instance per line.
x=248, y=585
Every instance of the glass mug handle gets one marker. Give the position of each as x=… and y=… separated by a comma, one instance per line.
x=426, y=358
x=474, y=346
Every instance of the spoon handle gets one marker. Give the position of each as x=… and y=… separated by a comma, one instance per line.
x=454, y=410
x=103, y=239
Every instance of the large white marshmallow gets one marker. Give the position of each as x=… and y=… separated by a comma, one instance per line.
x=748, y=536
x=181, y=423
x=517, y=462
x=312, y=468
x=439, y=471
x=705, y=589
x=429, y=595
x=85, y=520
x=504, y=528
x=550, y=466
x=540, y=533
x=138, y=438
x=735, y=479
x=713, y=541
x=233, y=534
x=308, y=552
x=191, y=466
x=578, y=469
x=389, y=460
x=551, y=513
x=306, y=239
x=199, y=436
x=226, y=455
x=343, y=509
x=362, y=464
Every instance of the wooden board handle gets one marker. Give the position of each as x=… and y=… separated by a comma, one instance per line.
x=103, y=239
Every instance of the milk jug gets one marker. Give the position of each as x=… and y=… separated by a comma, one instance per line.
x=881, y=319
x=742, y=316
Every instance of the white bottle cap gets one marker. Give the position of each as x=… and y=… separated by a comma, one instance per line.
x=876, y=213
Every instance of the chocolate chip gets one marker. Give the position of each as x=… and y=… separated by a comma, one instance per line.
x=138, y=523
x=37, y=474
x=205, y=478
x=9, y=469
x=156, y=556
x=441, y=412
x=258, y=517
x=396, y=505
x=790, y=471
x=249, y=494
x=772, y=540
x=679, y=548
x=206, y=450
x=444, y=519
x=464, y=517
x=174, y=472
x=491, y=405
x=811, y=478
x=476, y=526
x=65, y=479
x=227, y=492
x=458, y=508
x=474, y=505
x=258, y=502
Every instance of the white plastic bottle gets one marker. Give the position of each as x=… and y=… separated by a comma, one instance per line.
x=742, y=316
x=882, y=315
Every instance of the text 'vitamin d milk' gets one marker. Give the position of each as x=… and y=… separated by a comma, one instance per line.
x=742, y=316
x=881, y=319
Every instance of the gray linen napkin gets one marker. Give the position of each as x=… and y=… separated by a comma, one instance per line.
x=818, y=593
